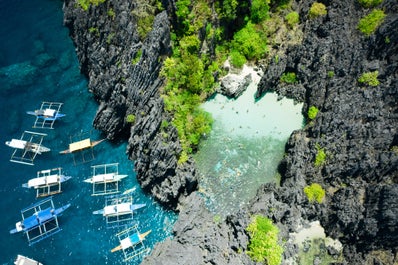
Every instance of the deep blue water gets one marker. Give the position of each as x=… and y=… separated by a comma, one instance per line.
x=38, y=63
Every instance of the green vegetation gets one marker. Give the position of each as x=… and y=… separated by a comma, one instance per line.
x=93, y=30
x=292, y=19
x=320, y=157
x=263, y=245
x=110, y=37
x=317, y=10
x=369, y=78
x=111, y=13
x=137, y=57
x=330, y=74
x=248, y=43
x=368, y=24
x=289, y=78
x=370, y=3
x=144, y=13
x=259, y=10
x=130, y=118
x=312, y=112
x=85, y=4
x=315, y=192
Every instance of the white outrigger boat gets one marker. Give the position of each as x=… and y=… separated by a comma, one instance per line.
x=22, y=260
x=27, y=147
x=119, y=210
x=105, y=179
x=48, y=113
x=131, y=243
x=47, y=182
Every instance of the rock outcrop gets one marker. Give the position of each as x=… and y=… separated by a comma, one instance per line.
x=123, y=71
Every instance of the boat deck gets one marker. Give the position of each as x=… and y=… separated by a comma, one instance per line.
x=105, y=179
x=47, y=109
x=27, y=147
x=22, y=260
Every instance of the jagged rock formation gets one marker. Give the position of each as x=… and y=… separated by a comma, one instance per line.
x=356, y=125
x=107, y=46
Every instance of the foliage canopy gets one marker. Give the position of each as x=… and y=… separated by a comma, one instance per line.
x=368, y=24
x=369, y=78
x=263, y=245
x=315, y=192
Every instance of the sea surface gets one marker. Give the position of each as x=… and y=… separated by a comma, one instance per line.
x=38, y=63
x=245, y=146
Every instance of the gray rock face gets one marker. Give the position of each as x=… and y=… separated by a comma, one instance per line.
x=233, y=85
x=123, y=73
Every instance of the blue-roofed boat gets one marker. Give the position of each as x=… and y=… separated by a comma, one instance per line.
x=40, y=220
x=131, y=241
x=48, y=113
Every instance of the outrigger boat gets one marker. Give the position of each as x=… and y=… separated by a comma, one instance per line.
x=47, y=182
x=81, y=145
x=39, y=220
x=27, y=147
x=132, y=243
x=48, y=113
x=105, y=179
x=118, y=210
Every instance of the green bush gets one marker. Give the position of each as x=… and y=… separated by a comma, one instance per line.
x=111, y=13
x=312, y=112
x=130, y=118
x=292, y=19
x=368, y=24
x=237, y=59
x=317, y=10
x=259, y=10
x=263, y=245
x=369, y=78
x=249, y=42
x=315, y=192
x=85, y=4
x=320, y=157
x=289, y=78
x=370, y=3
x=137, y=57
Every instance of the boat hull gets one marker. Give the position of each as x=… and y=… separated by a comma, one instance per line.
x=133, y=207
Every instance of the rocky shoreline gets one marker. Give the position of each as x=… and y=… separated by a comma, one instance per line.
x=356, y=125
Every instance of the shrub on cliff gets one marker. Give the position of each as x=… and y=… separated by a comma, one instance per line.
x=292, y=19
x=263, y=245
x=259, y=10
x=288, y=78
x=369, y=78
x=317, y=10
x=368, y=24
x=370, y=3
x=320, y=157
x=315, y=192
x=85, y=4
x=312, y=112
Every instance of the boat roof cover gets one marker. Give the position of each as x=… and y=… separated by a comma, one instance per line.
x=16, y=143
x=30, y=222
x=49, y=112
x=52, y=179
x=37, y=182
x=130, y=241
x=45, y=215
x=119, y=208
x=103, y=177
x=79, y=145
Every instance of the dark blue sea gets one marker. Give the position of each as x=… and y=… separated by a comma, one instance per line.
x=38, y=63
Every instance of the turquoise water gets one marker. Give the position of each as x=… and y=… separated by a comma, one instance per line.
x=245, y=146
x=38, y=63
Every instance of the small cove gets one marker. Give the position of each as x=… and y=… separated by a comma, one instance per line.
x=245, y=145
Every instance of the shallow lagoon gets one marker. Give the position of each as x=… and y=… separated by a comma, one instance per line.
x=38, y=63
x=245, y=146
